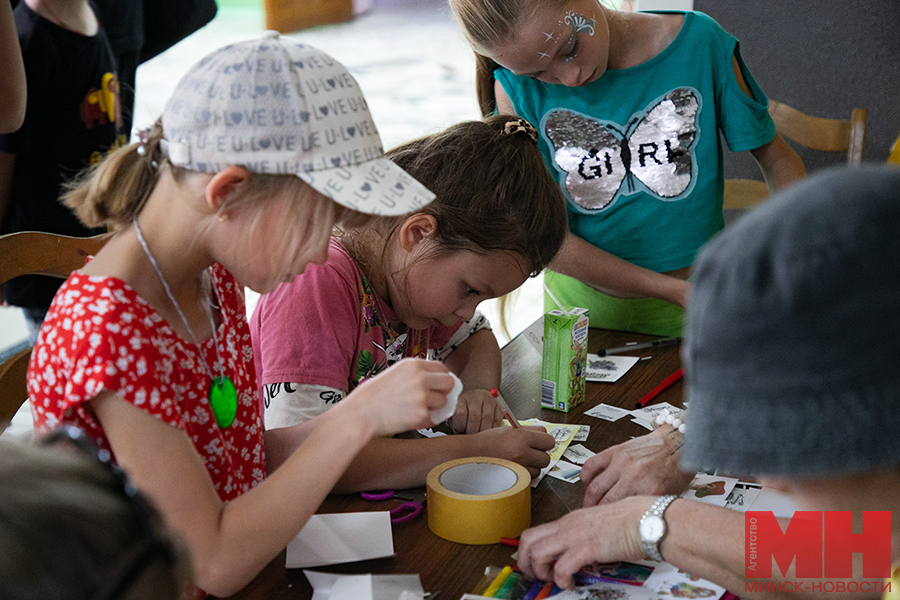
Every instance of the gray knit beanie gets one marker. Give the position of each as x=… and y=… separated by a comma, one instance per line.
x=792, y=354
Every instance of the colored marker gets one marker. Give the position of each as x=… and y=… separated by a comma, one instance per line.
x=534, y=591
x=505, y=408
x=654, y=344
x=497, y=582
x=667, y=382
x=545, y=591
x=506, y=589
x=509, y=542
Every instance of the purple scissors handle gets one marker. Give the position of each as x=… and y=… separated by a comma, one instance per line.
x=375, y=496
x=411, y=510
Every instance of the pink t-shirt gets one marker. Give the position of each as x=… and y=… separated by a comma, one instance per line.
x=100, y=335
x=329, y=328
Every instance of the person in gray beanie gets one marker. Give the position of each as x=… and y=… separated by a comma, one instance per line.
x=793, y=375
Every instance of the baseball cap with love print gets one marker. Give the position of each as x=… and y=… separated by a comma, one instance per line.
x=279, y=106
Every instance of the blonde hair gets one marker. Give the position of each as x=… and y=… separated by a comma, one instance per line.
x=487, y=24
x=113, y=191
x=67, y=529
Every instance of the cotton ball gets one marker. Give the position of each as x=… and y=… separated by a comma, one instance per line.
x=440, y=415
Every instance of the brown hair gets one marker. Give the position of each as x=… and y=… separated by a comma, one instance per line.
x=493, y=193
x=67, y=529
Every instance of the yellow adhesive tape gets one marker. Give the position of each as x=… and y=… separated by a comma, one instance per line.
x=478, y=500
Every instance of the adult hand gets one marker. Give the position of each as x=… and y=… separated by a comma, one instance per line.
x=476, y=411
x=527, y=446
x=400, y=398
x=556, y=551
x=648, y=464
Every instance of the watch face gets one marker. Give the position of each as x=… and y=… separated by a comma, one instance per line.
x=652, y=529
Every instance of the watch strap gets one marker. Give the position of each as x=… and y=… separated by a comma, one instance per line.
x=651, y=547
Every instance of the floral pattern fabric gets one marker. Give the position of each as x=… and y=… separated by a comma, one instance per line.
x=101, y=335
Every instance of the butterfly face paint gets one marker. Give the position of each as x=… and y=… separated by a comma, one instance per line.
x=601, y=161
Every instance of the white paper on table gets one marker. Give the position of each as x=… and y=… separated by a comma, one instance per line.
x=648, y=413
x=780, y=504
x=563, y=435
x=332, y=586
x=582, y=434
x=645, y=424
x=607, y=412
x=711, y=489
x=742, y=496
x=578, y=454
x=607, y=369
x=340, y=538
x=565, y=471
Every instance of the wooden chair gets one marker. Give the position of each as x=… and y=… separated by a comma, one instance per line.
x=817, y=133
x=35, y=253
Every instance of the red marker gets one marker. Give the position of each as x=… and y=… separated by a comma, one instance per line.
x=505, y=408
x=667, y=382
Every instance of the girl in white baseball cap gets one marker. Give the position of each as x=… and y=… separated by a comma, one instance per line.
x=264, y=147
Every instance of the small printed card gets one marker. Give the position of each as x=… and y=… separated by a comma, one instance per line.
x=565, y=471
x=607, y=412
x=711, y=489
x=578, y=454
x=608, y=368
x=742, y=496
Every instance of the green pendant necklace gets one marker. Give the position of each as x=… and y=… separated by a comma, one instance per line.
x=222, y=395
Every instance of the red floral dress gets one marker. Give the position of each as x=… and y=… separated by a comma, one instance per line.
x=100, y=335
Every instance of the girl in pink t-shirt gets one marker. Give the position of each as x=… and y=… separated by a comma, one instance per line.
x=410, y=286
x=147, y=347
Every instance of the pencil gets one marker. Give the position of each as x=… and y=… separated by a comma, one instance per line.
x=668, y=381
x=654, y=344
x=505, y=408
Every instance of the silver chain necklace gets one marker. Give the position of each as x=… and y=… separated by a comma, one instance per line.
x=222, y=395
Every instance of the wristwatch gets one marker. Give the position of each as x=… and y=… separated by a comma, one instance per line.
x=653, y=527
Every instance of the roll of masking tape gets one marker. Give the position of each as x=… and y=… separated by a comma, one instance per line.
x=478, y=500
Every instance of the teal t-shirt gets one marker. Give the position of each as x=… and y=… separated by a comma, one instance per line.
x=637, y=152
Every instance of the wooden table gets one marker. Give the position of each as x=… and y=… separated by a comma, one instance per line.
x=454, y=569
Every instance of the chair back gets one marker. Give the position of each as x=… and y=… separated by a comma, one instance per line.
x=35, y=253
x=818, y=133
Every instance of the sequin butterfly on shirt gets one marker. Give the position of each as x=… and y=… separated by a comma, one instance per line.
x=601, y=161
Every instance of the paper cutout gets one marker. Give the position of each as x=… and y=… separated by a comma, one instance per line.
x=608, y=369
x=340, y=538
x=331, y=586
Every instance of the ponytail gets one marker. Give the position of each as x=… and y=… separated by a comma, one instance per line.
x=484, y=84
x=114, y=190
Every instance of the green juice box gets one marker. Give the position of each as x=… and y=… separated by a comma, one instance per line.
x=565, y=357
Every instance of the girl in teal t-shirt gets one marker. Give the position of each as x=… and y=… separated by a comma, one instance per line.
x=630, y=108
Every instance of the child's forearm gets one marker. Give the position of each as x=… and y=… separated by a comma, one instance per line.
x=614, y=276
x=396, y=463
x=477, y=361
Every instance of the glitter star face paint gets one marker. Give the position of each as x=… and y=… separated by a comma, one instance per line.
x=563, y=46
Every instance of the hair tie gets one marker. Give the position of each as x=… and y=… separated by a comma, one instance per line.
x=521, y=126
x=143, y=135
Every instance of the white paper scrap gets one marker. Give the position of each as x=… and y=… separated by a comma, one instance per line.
x=607, y=369
x=578, y=454
x=332, y=586
x=340, y=538
x=607, y=412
